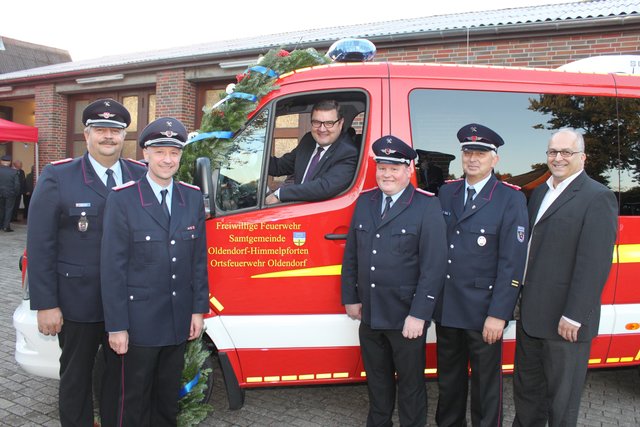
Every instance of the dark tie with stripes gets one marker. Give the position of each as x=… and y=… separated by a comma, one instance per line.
x=111, y=181
x=164, y=201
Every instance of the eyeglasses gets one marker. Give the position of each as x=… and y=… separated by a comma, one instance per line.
x=565, y=154
x=327, y=123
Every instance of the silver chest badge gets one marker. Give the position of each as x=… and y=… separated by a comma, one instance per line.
x=482, y=241
x=83, y=222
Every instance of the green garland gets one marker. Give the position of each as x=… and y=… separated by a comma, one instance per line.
x=192, y=409
x=231, y=114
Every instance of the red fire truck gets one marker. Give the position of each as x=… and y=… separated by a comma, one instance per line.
x=274, y=271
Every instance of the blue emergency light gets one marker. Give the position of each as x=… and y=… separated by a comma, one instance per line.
x=352, y=50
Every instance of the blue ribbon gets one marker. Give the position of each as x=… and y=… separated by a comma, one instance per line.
x=189, y=386
x=242, y=95
x=215, y=134
x=264, y=70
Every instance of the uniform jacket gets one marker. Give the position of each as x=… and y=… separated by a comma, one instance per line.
x=570, y=258
x=64, y=262
x=394, y=266
x=154, y=274
x=9, y=182
x=332, y=175
x=486, y=254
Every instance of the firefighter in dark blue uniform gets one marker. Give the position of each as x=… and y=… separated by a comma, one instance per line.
x=392, y=273
x=63, y=244
x=154, y=275
x=487, y=234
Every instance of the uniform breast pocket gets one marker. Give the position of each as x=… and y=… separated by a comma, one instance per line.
x=188, y=237
x=362, y=234
x=481, y=239
x=84, y=220
x=404, y=239
x=147, y=246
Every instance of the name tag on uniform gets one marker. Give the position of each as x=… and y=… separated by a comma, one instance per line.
x=83, y=205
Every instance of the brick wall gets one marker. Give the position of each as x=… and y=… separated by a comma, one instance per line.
x=51, y=121
x=541, y=52
x=176, y=97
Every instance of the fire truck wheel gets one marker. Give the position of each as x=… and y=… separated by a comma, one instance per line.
x=208, y=364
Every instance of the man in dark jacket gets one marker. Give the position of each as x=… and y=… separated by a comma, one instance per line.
x=17, y=165
x=9, y=189
x=392, y=274
x=486, y=231
x=63, y=244
x=154, y=275
x=322, y=164
x=573, y=229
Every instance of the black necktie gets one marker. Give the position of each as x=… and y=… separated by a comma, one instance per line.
x=387, y=206
x=470, y=193
x=312, y=165
x=165, y=208
x=111, y=181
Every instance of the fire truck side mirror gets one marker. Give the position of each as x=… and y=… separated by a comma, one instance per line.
x=203, y=179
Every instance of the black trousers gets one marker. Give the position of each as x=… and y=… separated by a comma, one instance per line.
x=6, y=211
x=79, y=343
x=548, y=380
x=385, y=353
x=149, y=386
x=457, y=349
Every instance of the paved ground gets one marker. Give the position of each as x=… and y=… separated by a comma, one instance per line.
x=612, y=397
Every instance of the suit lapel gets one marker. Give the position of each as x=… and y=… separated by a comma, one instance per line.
x=324, y=160
x=398, y=207
x=535, y=202
x=177, y=208
x=150, y=203
x=126, y=172
x=568, y=194
x=376, y=208
x=91, y=179
x=481, y=199
x=302, y=159
x=457, y=204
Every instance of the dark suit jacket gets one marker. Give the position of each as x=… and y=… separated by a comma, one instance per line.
x=486, y=253
x=569, y=258
x=394, y=266
x=64, y=262
x=332, y=175
x=9, y=182
x=154, y=274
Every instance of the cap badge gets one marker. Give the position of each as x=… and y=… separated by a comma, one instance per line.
x=388, y=151
x=107, y=104
x=474, y=138
x=106, y=115
x=473, y=129
x=169, y=133
x=169, y=123
x=389, y=141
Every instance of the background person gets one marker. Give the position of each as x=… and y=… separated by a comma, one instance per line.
x=573, y=229
x=392, y=273
x=9, y=188
x=322, y=166
x=29, y=184
x=154, y=274
x=486, y=231
x=63, y=244
x=17, y=165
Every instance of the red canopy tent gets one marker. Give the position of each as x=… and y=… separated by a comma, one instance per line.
x=10, y=131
